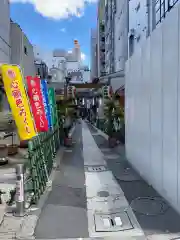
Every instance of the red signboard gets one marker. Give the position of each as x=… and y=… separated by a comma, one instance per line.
x=36, y=101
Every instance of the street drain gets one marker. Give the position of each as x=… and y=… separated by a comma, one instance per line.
x=113, y=222
x=150, y=206
x=95, y=168
x=68, y=150
x=103, y=194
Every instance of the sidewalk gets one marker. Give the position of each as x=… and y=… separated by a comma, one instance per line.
x=157, y=219
x=64, y=212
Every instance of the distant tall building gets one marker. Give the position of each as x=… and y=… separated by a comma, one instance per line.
x=101, y=38
x=94, y=57
x=116, y=34
x=77, y=51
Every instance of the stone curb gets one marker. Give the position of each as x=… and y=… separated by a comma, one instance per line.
x=26, y=231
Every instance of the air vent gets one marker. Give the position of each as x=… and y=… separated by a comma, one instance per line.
x=95, y=168
x=112, y=222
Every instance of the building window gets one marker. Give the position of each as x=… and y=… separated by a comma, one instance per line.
x=131, y=45
x=103, y=39
x=25, y=50
x=162, y=7
x=39, y=71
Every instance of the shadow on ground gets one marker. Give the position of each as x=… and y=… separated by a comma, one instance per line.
x=153, y=213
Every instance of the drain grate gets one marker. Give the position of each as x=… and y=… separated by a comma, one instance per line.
x=96, y=168
x=68, y=150
x=113, y=222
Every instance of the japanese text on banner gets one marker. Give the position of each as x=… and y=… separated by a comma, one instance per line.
x=37, y=106
x=18, y=101
x=52, y=102
x=46, y=102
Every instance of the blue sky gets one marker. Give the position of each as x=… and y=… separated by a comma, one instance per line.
x=49, y=28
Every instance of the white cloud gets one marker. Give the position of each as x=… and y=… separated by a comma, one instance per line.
x=63, y=30
x=83, y=56
x=58, y=9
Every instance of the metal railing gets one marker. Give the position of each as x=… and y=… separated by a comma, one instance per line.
x=42, y=150
x=33, y=177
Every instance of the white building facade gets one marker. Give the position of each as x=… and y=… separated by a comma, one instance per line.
x=144, y=17
x=152, y=98
x=93, y=47
x=5, y=46
x=22, y=52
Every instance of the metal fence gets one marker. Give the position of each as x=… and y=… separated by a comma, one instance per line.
x=42, y=150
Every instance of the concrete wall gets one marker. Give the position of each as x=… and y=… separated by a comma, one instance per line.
x=19, y=56
x=5, y=49
x=153, y=108
x=28, y=59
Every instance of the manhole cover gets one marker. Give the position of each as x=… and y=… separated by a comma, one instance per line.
x=103, y=194
x=149, y=205
x=112, y=222
x=95, y=168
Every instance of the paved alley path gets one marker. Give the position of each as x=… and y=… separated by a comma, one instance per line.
x=95, y=195
x=64, y=214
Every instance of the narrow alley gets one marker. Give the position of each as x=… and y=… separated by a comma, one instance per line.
x=96, y=194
